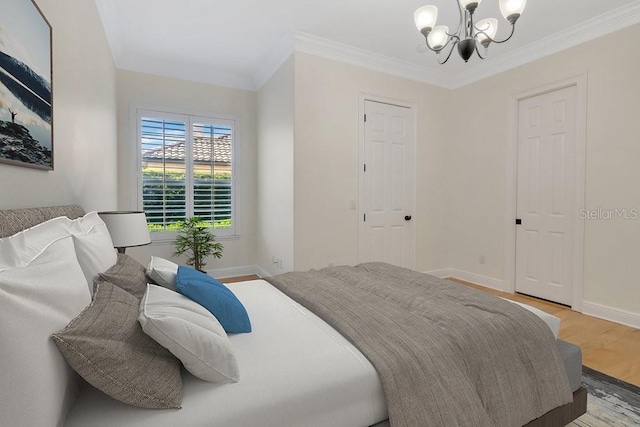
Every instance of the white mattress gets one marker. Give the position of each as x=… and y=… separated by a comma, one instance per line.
x=295, y=370
x=552, y=321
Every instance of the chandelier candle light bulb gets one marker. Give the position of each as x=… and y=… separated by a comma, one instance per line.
x=487, y=29
x=438, y=37
x=426, y=18
x=470, y=5
x=512, y=9
x=470, y=37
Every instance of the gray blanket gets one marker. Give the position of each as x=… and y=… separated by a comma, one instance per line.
x=447, y=355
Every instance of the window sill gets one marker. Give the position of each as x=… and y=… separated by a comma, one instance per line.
x=169, y=237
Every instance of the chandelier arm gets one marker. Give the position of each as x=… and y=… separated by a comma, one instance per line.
x=513, y=29
x=426, y=40
x=478, y=30
x=443, y=46
x=451, y=38
x=478, y=52
x=457, y=33
x=453, y=46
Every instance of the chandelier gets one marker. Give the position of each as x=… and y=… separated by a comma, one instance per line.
x=470, y=34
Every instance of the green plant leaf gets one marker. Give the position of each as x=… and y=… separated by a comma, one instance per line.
x=197, y=242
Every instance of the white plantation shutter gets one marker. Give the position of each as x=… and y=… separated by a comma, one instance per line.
x=164, y=183
x=212, y=174
x=186, y=170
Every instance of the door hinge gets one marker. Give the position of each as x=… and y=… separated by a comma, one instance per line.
x=518, y=221
x=365, y=217
x=365, y=118
x=365, y=167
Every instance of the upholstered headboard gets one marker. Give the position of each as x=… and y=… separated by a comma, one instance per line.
x=15, y=220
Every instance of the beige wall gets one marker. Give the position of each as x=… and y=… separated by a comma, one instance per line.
x=477, y=160
x=136, y=90
x=461, y=156
x=84, y=105
x=275, y=170
x=462, y=163
x=327, y=97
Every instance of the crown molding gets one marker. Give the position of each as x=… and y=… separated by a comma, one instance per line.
x=591, y=29
x=273, y=61
x=111, y=28
x=318, y=46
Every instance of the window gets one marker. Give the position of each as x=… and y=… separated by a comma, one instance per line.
x=186, y=170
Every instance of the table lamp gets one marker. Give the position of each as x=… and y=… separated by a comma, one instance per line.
x=127, y=228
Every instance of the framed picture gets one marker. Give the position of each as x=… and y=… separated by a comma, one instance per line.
x=26, y=101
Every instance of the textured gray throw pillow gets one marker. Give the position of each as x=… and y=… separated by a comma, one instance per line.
x=105, y=344
x=127, y=274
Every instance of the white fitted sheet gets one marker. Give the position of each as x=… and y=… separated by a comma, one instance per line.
x=295, y=370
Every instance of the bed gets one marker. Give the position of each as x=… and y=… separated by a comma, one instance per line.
x=295, y=370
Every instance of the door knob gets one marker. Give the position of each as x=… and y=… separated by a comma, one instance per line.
x=407, y=218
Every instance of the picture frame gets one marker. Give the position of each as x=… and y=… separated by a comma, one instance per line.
x=26, y=92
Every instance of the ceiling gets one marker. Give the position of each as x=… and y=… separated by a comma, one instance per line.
x=241, y=43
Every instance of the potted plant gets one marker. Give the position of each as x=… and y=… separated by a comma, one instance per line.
x=197, y=242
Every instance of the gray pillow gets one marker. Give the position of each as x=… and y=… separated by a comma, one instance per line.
x=105, y=344
x=127, y=274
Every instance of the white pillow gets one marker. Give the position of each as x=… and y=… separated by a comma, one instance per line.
x=163, y=272
x=42, y=288
x=21, y=248
x=190, y=332
x=94, y=247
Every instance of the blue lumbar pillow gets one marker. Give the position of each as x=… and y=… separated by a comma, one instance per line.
x=215, y=297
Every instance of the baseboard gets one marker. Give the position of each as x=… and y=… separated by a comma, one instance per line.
x=612, y=314
x=478, y=279
x=223, y=273
x=441, y=273
x=262, y=272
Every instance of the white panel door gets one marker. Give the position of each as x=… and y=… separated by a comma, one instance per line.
x=546, y=195
x=386, y=222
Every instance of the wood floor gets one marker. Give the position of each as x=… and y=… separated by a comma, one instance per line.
x=239, y=279
x=606, y=346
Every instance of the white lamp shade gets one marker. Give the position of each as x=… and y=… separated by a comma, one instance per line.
x=438, y=37
x=512, y=9
x=466, y=3
x=486, y=27
x=126, y=228
x=426, y=17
